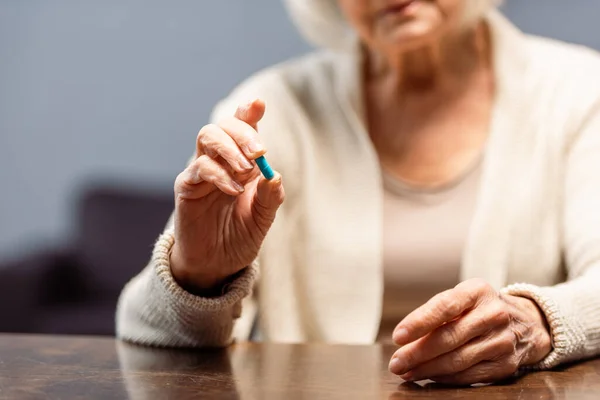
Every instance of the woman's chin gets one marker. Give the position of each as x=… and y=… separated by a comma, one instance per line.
x=410, y=37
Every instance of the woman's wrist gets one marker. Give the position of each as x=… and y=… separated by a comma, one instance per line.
x=197, y=283
x=539, y=334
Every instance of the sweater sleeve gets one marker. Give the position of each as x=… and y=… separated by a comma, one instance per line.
x=154, y=310
x=572, y=308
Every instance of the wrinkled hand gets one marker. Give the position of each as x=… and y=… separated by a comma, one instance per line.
x=223, y=206
x=470, y=334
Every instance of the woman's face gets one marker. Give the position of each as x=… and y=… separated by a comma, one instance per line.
x=402, y=24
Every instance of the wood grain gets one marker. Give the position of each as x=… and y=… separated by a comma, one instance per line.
x=54, y=367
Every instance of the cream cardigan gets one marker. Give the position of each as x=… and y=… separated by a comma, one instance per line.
x=537, y=218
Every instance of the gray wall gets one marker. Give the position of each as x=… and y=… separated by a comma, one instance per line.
x=117, y=89
x=114, y=89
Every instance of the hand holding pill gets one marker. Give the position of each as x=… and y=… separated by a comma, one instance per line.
x=224, y=207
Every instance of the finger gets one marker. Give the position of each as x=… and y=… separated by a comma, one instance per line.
x=251, y=113
x=202, y=176
x=244, y=177
x=484, y=372
x=442, y=308
x=214, y=141
x=451, y=336
x=484, y=348
x=269, y=196
x=245, y=136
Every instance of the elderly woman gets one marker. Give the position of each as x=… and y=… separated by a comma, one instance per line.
x=442, y=191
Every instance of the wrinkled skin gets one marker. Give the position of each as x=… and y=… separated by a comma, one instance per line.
x=223, y=205
x=470, y=334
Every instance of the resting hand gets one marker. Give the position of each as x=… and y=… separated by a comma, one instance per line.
x=470, y=334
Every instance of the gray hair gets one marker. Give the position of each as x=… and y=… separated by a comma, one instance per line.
x=321, y=21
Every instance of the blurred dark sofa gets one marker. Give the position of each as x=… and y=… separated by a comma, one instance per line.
x=74, y=290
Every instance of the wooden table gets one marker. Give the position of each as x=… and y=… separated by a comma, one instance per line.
x=50, y=367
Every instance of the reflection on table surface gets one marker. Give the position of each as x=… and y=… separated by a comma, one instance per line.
x=80, y=367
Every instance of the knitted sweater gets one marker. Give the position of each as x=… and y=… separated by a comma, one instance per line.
x=537, y=218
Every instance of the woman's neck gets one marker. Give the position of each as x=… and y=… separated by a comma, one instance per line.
x=432, y=66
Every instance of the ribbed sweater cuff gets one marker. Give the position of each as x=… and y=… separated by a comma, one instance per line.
x=169, y=316
x=566, y=338
x=187, y=305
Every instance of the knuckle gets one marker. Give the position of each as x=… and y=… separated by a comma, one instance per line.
x=479, y=291
x=451, y=336
x=179, y=182
x=506, y=343
x=206, y=169
x=480, y=286
x=202, y=162
x=210, y=178
x=201, y=139
x=182, y=186
x=497, y=314
x=449, y=304
x=217, y=178
x=200, y=134
x=205, y=135
x=497, y=349
x=502, y=316
x=204, y=132
x=504, y=348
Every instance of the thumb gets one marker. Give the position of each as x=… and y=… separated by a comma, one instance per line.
x=251, y=112
x=269, y=196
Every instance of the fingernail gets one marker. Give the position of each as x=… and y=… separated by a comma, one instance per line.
x=396, y=365
x=400, y=336
x=244, y=163
x=238, y=186
x=408, y=376
x=254, y=147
